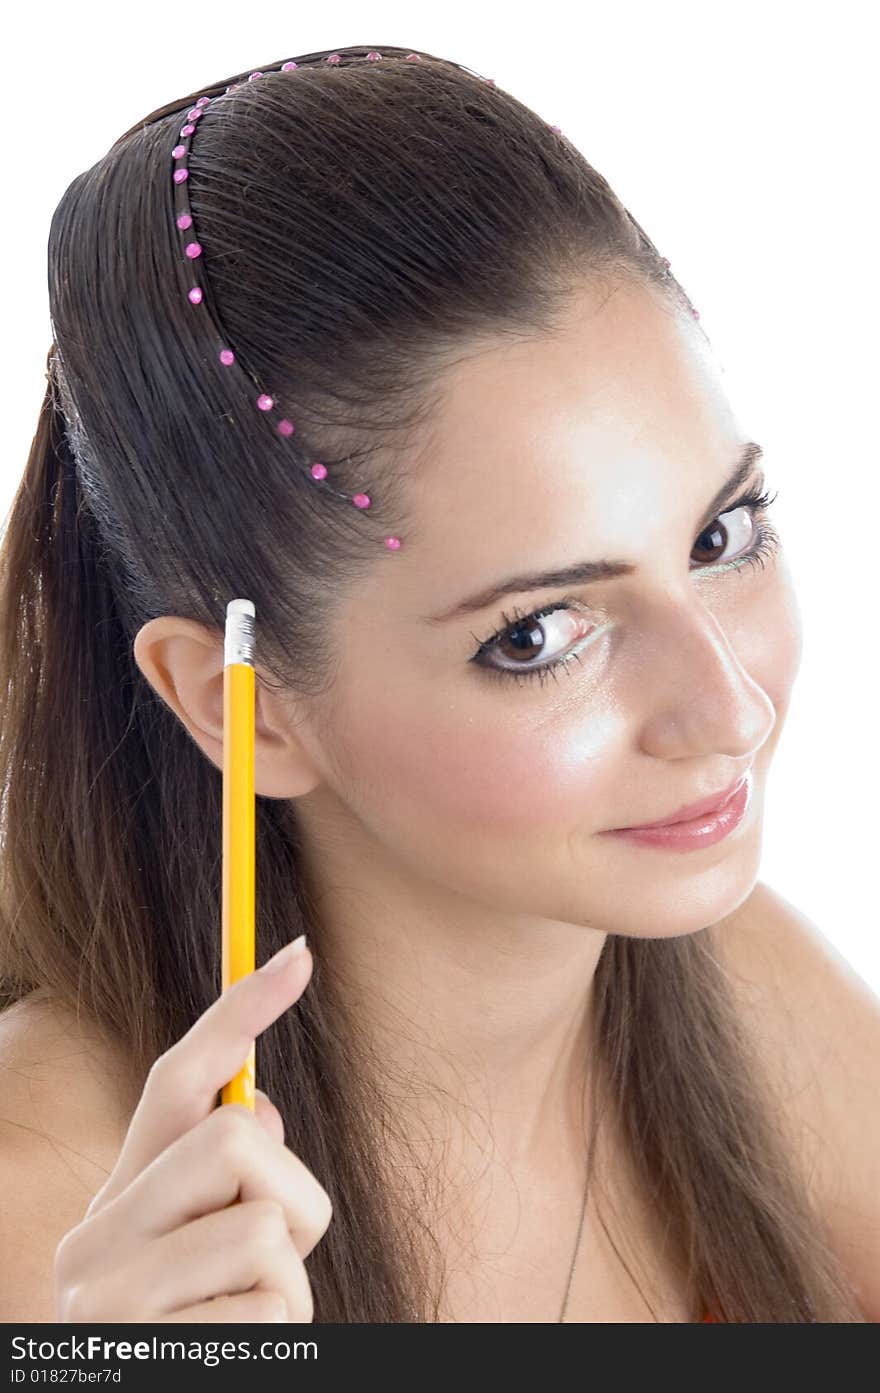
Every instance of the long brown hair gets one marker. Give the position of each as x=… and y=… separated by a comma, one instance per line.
x=362, y=222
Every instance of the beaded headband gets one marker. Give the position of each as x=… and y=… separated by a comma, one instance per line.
x=192, y=250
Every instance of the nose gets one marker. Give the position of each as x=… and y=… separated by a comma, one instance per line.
x=695, y=697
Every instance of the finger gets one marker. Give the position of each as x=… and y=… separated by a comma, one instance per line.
x=224, y=1253
x=226, y=1157
x=268, y=1115
x=182, y=1086
x=229, y=1251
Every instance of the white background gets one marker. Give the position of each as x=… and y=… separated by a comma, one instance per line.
x=743, y=138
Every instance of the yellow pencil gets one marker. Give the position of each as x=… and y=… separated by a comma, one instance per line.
x=239, y=836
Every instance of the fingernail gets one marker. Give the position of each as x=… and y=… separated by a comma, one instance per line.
x=281, y=959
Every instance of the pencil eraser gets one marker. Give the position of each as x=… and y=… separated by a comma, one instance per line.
x=241, y=607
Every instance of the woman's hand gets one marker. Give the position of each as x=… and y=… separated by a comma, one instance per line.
x=164, y=1239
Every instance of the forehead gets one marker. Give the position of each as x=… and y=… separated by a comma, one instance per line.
x=555, y=446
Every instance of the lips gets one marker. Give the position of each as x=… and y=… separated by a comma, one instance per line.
x=693, y=810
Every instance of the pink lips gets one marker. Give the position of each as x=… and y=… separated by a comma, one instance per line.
x=703, y=830
x=691, y=810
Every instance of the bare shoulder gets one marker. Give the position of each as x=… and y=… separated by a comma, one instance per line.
x=816, y=1024
x=61, y=1128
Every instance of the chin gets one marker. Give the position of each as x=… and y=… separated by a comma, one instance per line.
x=665, y=895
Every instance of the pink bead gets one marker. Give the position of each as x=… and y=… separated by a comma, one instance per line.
x=178, y=151
x=696, y=314
x=187, y=130
x=392, y=543
x=265, y=402
x=194, y=113
x=285, y=427
x=490, y=81
x=180, y=174
x=184, y=221
x=288, y=67
x=373, y=56
x=318, y=471
x=193, y=249
x=195, y=295
x=361, y=500
x=253, y=76
x=226, y=357
x=333, y=58
x=413, y=57
x=203, y=101
x=556, y=129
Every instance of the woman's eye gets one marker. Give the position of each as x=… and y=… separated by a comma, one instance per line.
x=735, y=529
x=542, y=637
x=539, y=642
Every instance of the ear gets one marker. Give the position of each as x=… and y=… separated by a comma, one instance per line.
x=183, y=663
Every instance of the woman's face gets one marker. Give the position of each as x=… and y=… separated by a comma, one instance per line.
x=497, y=779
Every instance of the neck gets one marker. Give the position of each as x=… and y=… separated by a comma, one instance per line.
x=477, y=1020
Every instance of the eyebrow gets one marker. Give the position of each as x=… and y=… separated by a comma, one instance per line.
x=585, y=572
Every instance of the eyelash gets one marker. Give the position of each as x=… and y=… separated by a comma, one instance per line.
x=764, y=547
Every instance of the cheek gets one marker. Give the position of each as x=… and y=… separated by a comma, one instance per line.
x=488, y=765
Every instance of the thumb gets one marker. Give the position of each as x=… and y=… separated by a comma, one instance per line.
x=268, y=1115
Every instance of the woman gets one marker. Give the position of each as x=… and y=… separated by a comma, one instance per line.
x=540, y=1067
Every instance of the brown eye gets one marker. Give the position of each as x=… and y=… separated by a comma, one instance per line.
x=531, y=637
x=736, y=527
x=538, y=643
